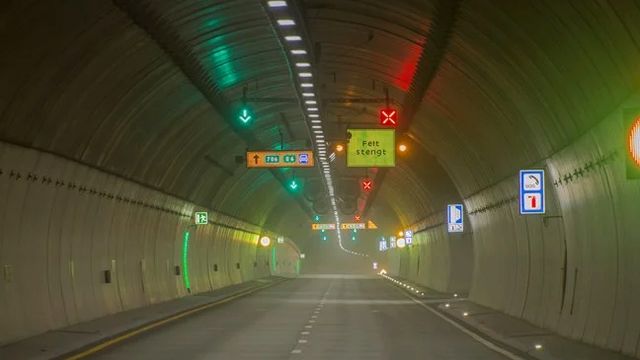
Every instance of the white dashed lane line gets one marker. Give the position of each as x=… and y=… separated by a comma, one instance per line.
x=315, y=315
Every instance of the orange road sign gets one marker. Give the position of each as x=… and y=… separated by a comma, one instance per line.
x=349, y=226
x=323, y=226
x=280, y=159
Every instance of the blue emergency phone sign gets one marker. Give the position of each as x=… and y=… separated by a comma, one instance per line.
x=532, y=199
x=455, y=218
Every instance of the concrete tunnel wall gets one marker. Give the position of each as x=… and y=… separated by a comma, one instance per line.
x=56, y=241
x=519, y=261
x=437, y=259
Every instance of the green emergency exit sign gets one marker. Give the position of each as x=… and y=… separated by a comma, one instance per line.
x=202, y=218
x=372, y=148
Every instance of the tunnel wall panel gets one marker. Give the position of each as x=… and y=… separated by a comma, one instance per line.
x=591, y=215
x=63, y=224
x=437, y=259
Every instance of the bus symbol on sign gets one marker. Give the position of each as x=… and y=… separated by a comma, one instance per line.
x=304, y=159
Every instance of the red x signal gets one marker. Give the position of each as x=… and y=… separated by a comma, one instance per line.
x=356, y=218
x=389, y=117
x=367, y=185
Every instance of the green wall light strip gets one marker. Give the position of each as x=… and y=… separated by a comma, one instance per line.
x=273, y=260
x=185, y=260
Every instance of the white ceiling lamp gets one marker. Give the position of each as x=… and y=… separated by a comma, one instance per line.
x=286, y=22
x=303, y=64
x=306, y=85
x=308, y=94
x=293, y=38
x=305, y=74
x=299, y=52
x=310, y=102
x=277, y=4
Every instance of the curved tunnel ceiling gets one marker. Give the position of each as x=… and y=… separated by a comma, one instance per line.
x=508, y=92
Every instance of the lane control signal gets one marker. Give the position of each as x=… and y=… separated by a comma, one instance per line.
x=389, y=117
x=366, y=184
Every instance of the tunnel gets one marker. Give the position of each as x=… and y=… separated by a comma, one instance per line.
x=320, y=179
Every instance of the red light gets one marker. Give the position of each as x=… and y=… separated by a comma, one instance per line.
x=389, y=117
x=356, y=218
x=367, y=184
x=634, y=141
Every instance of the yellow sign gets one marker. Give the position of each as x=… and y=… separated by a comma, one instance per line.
x=371, y=148
x=323, y=226
x=371, y=225
x=280, y=159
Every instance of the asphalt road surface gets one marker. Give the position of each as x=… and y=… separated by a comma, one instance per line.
x=323, y=317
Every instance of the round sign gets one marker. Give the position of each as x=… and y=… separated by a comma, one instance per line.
x=400, y=242
x=265, y=241
x=634, y=141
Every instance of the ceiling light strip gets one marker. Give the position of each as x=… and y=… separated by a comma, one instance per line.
x=304, y=82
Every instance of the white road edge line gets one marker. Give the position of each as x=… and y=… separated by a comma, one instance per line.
x=476, y=337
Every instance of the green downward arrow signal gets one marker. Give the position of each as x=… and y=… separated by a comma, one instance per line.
x=245, y=117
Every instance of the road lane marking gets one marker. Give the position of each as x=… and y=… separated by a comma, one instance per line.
x=473, y=335
x=103, y=345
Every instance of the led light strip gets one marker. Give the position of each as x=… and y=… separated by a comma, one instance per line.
x=302, y=67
